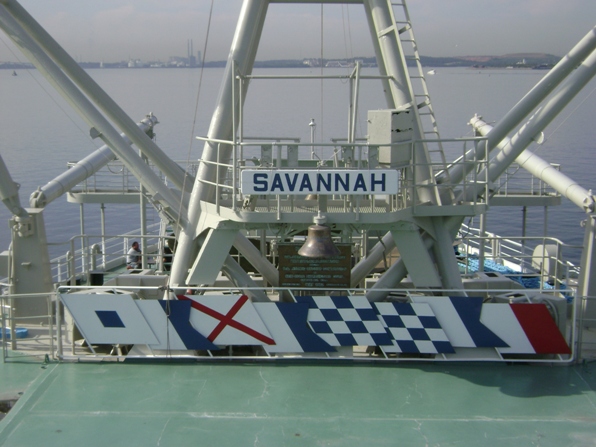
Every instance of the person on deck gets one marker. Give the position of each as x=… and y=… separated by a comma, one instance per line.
x=168, y=252
x=133, y=257
x=167, y=258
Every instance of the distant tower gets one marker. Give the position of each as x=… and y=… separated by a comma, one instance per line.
x=193, y=61
x=199, y=59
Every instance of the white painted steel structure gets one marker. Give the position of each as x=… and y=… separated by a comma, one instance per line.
x=218, y=225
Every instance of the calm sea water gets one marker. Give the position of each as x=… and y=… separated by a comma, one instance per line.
x=39, y=132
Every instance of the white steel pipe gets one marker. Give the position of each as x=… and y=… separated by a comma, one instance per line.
x=250, y=252
x=393, y=59
x=544, y=171
x=9, y=192
x=376, y=254
x=458, y=171
x=394, y=275
x=242, y=280
x=529, y=102
x=96, y=120
x=513, y=148
x=242, y=56
x=543, y=117
x=560, y=182
x=379, y=56
x=171, y=169
x=82, y=170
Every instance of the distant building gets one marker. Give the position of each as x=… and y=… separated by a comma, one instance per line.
x=136, y=63
x=343, y=64
x=177, y=61
x=189, y=61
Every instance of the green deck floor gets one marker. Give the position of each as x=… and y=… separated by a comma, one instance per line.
x=120, y=404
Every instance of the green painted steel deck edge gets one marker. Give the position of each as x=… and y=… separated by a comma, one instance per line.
x=189, y=404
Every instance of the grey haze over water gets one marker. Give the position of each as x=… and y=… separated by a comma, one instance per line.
x=40, y=133
x=152, y=30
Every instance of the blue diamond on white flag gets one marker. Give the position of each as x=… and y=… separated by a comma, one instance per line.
x=109, y=319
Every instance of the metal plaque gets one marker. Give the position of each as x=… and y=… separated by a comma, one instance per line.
x=301, y=272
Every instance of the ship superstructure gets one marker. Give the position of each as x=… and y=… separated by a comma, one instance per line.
x=355, y=250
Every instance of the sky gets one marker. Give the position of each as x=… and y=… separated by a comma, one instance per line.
x=152, y=30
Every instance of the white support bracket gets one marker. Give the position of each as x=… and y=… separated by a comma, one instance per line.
x=416, y=257
x=212, y=256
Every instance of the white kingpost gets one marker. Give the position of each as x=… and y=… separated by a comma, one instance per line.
x=394, y=64
x=397, y=272
x=171, y=169
x=9, y=192
x=379, y=56
x=391, y=61
x=567, y=65
x=242, y=56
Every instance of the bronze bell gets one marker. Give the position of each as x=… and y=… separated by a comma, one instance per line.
x=318, y=243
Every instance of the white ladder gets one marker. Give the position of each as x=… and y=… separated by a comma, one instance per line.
x=422, y=101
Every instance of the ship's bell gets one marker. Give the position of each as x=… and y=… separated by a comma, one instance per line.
x=318, y=242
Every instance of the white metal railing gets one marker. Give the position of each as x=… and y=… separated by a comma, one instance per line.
x=289, y=153
x=30, y=335
x=115, y=177
x=516, y=180
x=586, y=324
x=51, y=335
x=87, y=253
x=277, y=153
x=520, y=260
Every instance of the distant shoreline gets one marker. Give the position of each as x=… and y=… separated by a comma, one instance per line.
x=518, y=60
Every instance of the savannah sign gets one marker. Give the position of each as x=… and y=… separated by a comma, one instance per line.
x=326, y=182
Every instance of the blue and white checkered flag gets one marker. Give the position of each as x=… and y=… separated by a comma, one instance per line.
x=414, y=329
x=345, y=320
